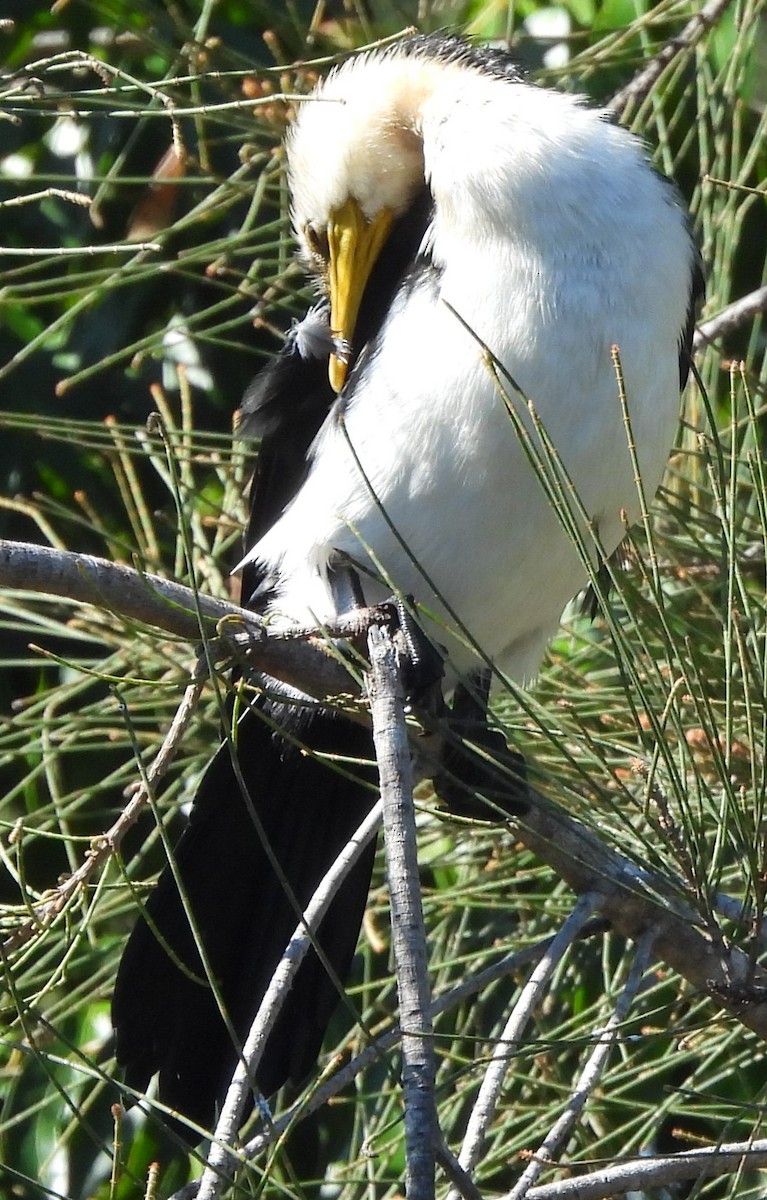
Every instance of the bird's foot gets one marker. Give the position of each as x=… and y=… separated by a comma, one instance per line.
x=423, y=663
x=479, y=776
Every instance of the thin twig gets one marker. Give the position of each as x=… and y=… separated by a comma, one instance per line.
x=733, y=317
x=506, y=1046
x=105, y=846
x=591, y=1073
x=645, y=79
x=79, y=198
x=641, y=1174
x=387, y=711
x=342, y=1078
x=75, y=251
x=462, y=1183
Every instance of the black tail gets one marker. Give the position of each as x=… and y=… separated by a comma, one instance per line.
x=167, y=1021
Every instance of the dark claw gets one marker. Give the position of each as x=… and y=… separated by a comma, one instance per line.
x=424, y=663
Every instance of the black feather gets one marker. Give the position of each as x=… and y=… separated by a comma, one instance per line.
x=168, y=1021
x=697, y=293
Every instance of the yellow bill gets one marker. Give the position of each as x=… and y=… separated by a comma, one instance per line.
x=354, y=243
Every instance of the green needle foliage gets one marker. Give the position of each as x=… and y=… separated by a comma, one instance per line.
x=146, y=267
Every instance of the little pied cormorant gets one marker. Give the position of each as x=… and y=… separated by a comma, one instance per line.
x=443, y=204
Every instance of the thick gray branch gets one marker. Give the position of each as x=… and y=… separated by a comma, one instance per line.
x=301, y=657
x=635, y=900
x=387, y=710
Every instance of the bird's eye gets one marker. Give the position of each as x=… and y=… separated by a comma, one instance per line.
x=317, y=241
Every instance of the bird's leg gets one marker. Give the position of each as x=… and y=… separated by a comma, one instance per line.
x=479, y=775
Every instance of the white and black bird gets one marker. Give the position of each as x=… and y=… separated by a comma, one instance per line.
x=442, y=204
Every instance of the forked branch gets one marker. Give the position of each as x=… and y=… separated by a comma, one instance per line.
x=632, y=899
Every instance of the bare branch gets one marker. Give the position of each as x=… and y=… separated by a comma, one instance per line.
x=735, y=315
x=301, y=657
x=120, y=590
x=387, y=711
x=637, y=1174
x=505, y=1047
x=634, y=900
x=590, y=1075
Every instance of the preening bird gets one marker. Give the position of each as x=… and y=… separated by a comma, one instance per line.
x=445, y=208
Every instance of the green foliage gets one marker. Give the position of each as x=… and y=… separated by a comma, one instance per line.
x=650, y=723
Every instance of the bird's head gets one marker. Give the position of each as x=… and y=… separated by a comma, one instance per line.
x=355, y=163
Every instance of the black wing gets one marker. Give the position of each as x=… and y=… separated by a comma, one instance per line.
x=165, y=1015
x=284, y=408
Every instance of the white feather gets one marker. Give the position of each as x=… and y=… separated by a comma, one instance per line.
x=555, y=240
